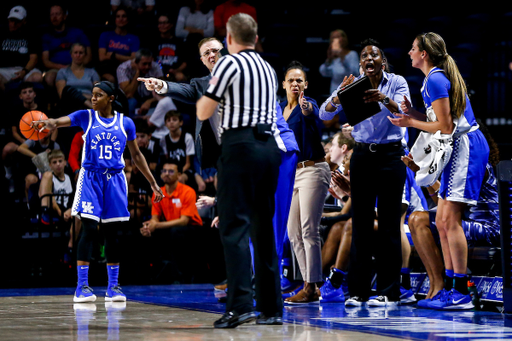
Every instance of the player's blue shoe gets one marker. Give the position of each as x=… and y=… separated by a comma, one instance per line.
x=428, y=301
x=453, y=300
x=329, y=294
x=114, y=294
x=407, y=296
x=83, y=293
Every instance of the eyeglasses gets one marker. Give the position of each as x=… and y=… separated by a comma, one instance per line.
x=168, y=171
x=207, y=52
x=163, y=22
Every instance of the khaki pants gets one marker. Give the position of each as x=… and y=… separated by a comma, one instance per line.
x=309, y=193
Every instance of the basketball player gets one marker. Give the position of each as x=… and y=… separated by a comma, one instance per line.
x=102, y=194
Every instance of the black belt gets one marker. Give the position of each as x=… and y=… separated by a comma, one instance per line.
x=376, y=147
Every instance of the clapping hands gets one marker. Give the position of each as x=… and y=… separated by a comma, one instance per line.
x=340, y=185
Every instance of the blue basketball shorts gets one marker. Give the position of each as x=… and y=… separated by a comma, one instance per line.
x=463, y=175
x=102, y=197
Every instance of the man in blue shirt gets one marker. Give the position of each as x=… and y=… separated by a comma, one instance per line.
x=56, y=44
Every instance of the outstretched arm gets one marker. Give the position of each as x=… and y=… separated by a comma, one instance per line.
x=52, y=123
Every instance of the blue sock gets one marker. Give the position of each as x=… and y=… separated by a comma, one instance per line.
x=113, y=275
x=83, y=274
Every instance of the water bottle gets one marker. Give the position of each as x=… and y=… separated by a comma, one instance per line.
x=473, y=292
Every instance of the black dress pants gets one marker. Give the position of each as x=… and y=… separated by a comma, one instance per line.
x=377, y=176
x=248, y=169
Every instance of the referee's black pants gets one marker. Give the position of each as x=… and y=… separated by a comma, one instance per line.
x=248, y=169
x=376, y=173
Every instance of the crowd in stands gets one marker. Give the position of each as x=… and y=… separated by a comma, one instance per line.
x=54, y=72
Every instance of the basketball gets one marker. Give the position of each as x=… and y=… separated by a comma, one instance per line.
x=26, y=125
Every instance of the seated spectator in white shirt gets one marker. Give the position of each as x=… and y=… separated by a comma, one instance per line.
x=128, y=73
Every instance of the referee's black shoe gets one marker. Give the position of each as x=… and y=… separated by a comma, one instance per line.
x=269, y=320
x=231, y=319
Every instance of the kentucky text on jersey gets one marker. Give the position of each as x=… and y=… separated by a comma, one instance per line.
x=116, y=144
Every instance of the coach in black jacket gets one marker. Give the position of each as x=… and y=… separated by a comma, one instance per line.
x=190, y=93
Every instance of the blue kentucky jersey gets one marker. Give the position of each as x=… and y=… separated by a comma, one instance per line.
x=104, y=139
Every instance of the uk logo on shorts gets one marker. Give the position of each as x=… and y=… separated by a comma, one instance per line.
x=87, y=207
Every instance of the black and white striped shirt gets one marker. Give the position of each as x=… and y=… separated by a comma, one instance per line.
x=245, y=85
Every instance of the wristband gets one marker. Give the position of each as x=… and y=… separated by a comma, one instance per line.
x=334, y=104
x=434, y=194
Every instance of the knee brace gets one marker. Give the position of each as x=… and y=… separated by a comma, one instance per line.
x=88, y=235
x=112, y=249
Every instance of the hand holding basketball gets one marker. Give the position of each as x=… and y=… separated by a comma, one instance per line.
x=32, y=125
x=45, y=125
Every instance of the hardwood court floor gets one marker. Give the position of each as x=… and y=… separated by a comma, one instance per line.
x=186, y=312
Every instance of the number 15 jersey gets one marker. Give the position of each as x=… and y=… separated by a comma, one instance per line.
x=104, y=139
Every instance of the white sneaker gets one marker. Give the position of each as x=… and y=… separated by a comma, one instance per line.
x=83, y=294
x=355, y=301
x=381, y=301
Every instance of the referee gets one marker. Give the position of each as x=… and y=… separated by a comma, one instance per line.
x=245, y=86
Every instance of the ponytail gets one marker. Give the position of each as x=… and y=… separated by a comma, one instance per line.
x=435, y=46
x=458, y=89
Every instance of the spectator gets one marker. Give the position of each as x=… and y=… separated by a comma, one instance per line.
x=74, y=83
x=19, y=51
x=335, y=251
x=341, y=61
x=128, y=73
x=75, y=152
x=156, y=120
x=178, y=145
x=56, y=182
x=37, y=151
x=134, y=5
x=27, y=95
x=142, y=9
x=175, y=220
x=195, y=22
x=169, y=51
x=116, y=47
x=57, y=44
x=225, y=10
x=149, y=148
